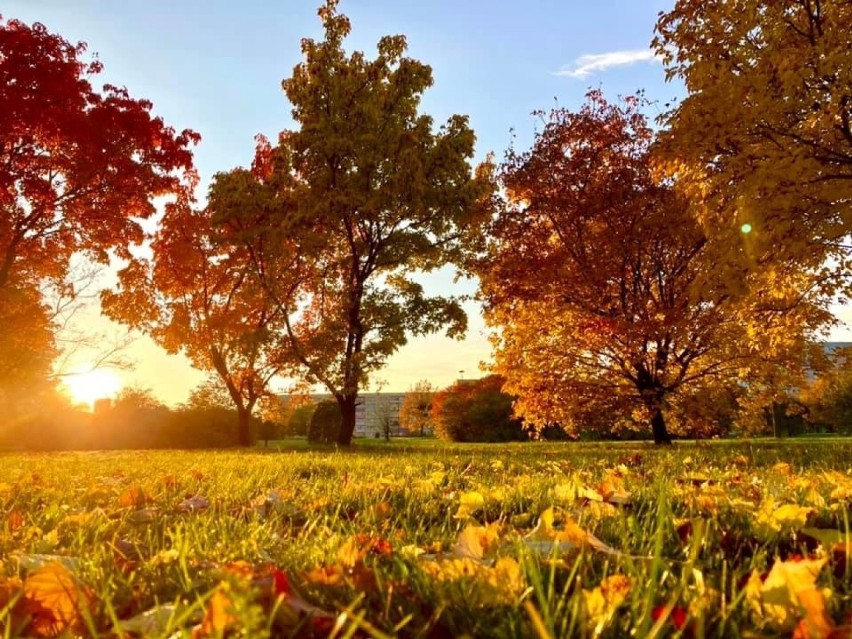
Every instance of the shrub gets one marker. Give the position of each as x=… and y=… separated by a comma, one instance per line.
x=476, y=411
x=325, y=423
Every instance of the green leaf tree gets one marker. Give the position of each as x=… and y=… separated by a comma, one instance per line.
x=346, y=209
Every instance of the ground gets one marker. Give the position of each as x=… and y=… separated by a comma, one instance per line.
x=430, y=540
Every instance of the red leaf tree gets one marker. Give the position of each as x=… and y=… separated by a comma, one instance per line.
x=78, y=167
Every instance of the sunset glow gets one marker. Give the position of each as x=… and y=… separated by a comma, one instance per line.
x=85, y=388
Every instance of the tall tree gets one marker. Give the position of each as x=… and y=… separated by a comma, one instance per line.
x=763, y=141
x=193, y=293
x=78, y=169
x=598, y=279
x=365, y=195
x=415, y=411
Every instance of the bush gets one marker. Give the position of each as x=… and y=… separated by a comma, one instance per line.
x=476, y=411
x=325, y=423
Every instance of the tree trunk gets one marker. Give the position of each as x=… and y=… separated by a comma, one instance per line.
x=243, y=427
x=347, y=405
x=658, y=426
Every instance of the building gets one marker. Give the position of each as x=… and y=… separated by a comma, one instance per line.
x=374, y=414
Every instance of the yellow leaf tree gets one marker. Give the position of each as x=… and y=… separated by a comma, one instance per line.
x=600, y=284
x=763, y=139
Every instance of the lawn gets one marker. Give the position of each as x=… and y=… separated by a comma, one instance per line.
x=426, y=539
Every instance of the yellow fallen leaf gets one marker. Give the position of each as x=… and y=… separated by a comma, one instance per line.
x=603, y=602
x=469, y=503
x=787, y=517
x=219, y=614
x=476, y=541
x=789, y=595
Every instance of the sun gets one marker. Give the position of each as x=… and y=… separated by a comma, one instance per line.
x=85, y=388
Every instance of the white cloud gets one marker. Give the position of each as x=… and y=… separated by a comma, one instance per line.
x=589, y=63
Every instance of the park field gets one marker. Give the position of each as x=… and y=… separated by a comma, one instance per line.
x=718, y=539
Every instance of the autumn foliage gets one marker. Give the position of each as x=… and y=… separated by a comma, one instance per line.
x=597, y=277
x=342, y=211
x=78, y=169
x=763, y=137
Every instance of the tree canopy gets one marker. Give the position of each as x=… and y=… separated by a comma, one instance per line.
x=762, y=141
x=78, y=170
x=193, y=293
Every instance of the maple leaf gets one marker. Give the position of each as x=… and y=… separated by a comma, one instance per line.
x=476, y=541
x=218, y=616
x=134, y=497
x=771, y=520
x=544, y=538
x=789, y=595
x=56, y=601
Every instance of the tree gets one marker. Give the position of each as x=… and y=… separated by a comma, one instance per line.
x=137, y=398
x=476, y=411
x=599, y=280
x=415, y=412
x=194, y=294
x=300, y=420
x=78, y=170
x=211, y=393
x=763, y=142
x=360, y=197
x=27, y=347
x=826, y=400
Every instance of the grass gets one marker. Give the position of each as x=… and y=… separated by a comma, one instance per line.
x=425, y=539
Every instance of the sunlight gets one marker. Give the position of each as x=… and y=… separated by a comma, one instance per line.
x=85, y=388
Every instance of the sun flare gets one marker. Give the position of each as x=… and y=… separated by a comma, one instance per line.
x=85, y=388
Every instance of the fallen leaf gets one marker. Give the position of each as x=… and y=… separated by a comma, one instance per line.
x=476, y=541
x=788, y=595
x=603, y=602
x=155, y=621
x=14, y=520
x=56, y=601
x=134, y=496
x=469, y=503
x=194, y=505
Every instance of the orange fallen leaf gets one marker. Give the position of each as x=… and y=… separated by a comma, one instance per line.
x=218, y=616
x=55, y=601
x=134, y=496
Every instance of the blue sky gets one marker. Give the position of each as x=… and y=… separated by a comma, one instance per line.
x=216, y=66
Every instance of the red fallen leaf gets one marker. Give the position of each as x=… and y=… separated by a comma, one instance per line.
x=14, y=521
x=169, y=481
x=677, y=615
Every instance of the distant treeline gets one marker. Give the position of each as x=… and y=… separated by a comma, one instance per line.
x=127, y=427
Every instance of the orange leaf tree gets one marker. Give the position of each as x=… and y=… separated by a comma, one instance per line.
x=78, y=168
x=194, y=294
x=599, y=282
x=764, y=136
x=369, y=195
